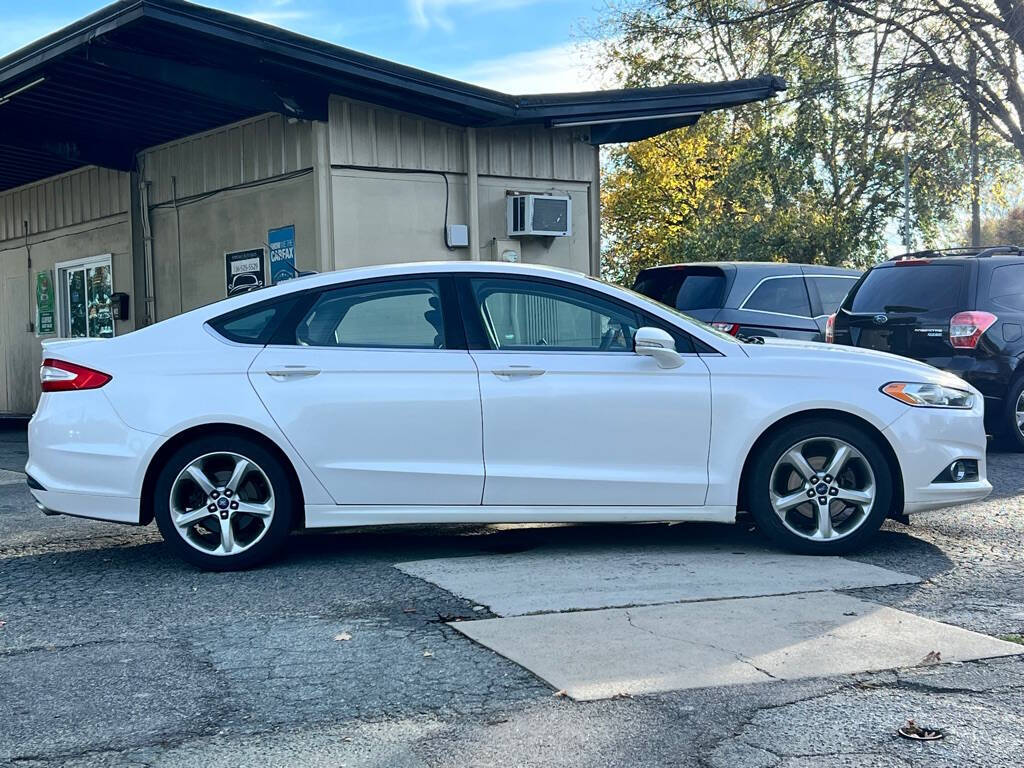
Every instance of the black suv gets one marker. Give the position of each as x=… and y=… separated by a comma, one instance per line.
x=960, y=310
x=752, y=298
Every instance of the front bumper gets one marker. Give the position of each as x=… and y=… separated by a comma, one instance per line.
x=926, y=441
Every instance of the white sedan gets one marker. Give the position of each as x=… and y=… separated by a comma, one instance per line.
x=484, y=392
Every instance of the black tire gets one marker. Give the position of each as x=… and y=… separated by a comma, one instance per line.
x=758, y=485
x=1012, y=434
x=275, y=535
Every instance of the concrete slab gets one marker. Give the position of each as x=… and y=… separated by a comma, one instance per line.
x=7, y=477
x=549, y=579
x=600, y=654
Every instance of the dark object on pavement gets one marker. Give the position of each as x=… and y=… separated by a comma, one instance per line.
x=914, y=732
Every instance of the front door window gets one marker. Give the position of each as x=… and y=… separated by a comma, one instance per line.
x=85, y=306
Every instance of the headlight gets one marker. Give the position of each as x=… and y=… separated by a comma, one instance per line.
x=929, y=395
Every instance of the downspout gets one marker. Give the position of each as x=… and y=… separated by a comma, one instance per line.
x=30, y=326
x=472, y=181
x=149, y=293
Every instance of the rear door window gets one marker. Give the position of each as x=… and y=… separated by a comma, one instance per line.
x=1007, y=289
x=686, y=289
x=831, y=290
x=912, y=288
x=781, y=296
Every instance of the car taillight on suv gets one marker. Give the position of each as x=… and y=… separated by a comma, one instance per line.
x=62, y=376
x=967, y=328
x=830, y=329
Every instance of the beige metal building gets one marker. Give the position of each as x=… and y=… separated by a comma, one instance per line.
x=156, y=155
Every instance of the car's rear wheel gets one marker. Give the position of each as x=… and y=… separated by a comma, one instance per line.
x=1014, y=426
x=820, y=487
x=224, y=503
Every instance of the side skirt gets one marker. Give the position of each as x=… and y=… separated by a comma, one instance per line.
x=322, y=516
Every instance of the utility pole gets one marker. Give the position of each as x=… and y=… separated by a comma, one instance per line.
x=975, y=165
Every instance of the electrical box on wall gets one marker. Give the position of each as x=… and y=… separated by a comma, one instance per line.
x=457, y=236
x=539, y=215
x=505, y=250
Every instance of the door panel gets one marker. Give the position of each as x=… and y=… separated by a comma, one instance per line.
x=379, y=426
x=593, y=429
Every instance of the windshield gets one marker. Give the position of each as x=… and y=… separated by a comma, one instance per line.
x=703, y=326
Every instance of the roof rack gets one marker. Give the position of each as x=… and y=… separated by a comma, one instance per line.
x=965, y=251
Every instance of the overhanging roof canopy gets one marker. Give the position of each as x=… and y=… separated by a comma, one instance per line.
x=139, y=73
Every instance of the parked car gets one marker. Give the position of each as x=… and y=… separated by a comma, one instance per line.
x=752, y=298
x=961, y=311
x=486, y=392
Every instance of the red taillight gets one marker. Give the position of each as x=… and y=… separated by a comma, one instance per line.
x=62, y=376
x=731, y=328
x=966, y=328
x=830, y=329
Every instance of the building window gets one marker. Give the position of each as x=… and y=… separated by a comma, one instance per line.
x=84, y=287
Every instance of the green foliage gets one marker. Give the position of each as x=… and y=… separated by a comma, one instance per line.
x=813, y=176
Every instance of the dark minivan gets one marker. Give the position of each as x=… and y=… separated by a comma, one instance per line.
x=959, y=310
x=752, y=298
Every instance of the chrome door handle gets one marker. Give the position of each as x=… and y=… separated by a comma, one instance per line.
x=292, y=372
x=518, y=371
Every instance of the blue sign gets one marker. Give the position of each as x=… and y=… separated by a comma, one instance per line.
x=282, y=254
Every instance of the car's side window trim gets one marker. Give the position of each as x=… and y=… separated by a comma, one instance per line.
x=455, y=336
x=478, y=339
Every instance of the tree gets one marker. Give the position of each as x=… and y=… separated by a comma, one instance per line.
x=815, y=176
x=1004, y=230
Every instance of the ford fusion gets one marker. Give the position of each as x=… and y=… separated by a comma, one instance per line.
x=484, y=392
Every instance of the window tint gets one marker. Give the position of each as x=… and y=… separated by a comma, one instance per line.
x=911, y=288
x=1008, y=287
x=785, y=295
x=390, y=314
x=684, y=289
x=832, y=291
x=252, y=325
x=523, y=314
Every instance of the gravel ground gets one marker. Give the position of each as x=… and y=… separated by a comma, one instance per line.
x=112, y=652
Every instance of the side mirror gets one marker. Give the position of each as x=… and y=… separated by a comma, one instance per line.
x=659, y=344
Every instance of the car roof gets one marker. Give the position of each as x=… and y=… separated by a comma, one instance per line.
x=768, y=266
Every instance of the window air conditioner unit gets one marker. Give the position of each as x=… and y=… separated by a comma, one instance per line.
x=539, y=215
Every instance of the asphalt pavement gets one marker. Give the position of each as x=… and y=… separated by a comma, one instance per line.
x=113, y=652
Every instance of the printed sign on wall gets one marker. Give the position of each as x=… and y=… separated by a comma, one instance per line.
x=282, y=254
x=44, y=304
x=244, y=271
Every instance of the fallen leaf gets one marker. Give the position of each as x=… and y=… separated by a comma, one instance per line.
x=560, y=694
x=343, y=636
x=933, y=657
x=3, y=624
x=428, y=654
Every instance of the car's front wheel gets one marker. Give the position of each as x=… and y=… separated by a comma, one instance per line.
x=1014, y=427
x=224, y=503
x=820, y=487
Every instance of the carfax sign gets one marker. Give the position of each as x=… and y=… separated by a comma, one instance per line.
x=243, y=270
x=282, y=253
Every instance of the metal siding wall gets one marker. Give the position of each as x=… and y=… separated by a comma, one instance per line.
x=72, y=198
x=252, y=150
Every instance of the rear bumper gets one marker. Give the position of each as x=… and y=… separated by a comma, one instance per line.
x=928, y=440
x=87, y=462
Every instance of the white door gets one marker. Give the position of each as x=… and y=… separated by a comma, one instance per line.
x=374, y=401
x=572, y=416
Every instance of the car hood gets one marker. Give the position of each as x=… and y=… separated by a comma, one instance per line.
x=838, y=357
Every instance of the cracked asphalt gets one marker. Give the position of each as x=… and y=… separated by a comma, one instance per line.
x=113, y=653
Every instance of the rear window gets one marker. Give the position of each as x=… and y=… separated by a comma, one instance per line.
x=684, y=289
x=1007, y=289
x=911, y=288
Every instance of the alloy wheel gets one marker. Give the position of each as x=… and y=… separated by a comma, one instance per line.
x=1020, y=413
x=222, y=503
x=822, y=489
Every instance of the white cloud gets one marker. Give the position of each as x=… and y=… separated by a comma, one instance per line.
x=435, y=13
x=276, y=12
x=558, y=69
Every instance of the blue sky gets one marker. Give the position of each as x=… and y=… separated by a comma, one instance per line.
x=519, y=46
